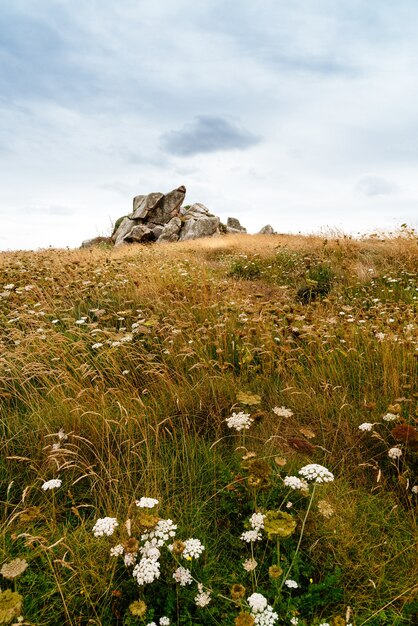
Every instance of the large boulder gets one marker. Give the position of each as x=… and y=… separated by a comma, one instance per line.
x=170, y=231
x=202, y=227
x=233, y=226
x=267, y=230
x=139, y=234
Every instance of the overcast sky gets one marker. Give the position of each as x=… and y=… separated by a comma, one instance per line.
x=298, y=113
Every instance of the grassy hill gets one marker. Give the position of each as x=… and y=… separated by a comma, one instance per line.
x=118, y=371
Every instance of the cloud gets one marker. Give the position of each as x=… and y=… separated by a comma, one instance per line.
x=376, y=186
x=208, y=133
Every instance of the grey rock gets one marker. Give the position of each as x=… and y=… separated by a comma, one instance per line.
x=123, y=229
x=96, y=241
x=201, y=227
x=170, y=231
x=233, y=226
x=197, y=211
x=267, y=230
x=139, y=234
x=157, y=230
x=143, y=206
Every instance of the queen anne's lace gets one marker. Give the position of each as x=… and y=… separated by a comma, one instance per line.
x=182, y=576
x=105, y=526
x=316, y=473
x=193, y=549
x=257, y=602
x=146, y=571
x=239, y=421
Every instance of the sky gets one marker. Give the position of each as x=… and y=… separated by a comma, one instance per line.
x=301, y=114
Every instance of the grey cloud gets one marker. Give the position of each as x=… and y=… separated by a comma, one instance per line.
x=376, y=186
x=208, y=133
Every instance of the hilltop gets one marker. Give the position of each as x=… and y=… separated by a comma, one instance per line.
x=259, y=392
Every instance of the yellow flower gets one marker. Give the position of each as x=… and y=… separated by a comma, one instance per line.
x=138, y=608
x=10, y=605
x=244, y=619
x=275, y=571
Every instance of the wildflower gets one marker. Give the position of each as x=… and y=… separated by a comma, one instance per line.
x=177, y=547
x=105, y=526
x=390, y=417
x=203, y=597
x=237, y=591
x=292, y=584
x=316, y=473
x=275, y=571
x=152, y=624
x=294, y=621
x=138, y=608
x=257, y=602
x=52, y=484
x=117, y=550
x=257, y=521
x=414, y=489
x=164, y=621
x=193, y=549
x=279, y=524
x=10, y=605
x=366, y=427
x=295, y=483
x=281, y=411
x=97, y=345
x=182, y=576
x=244, y=619
x=266, y=618
x=129, y=559
x=324, y=624
x=163, y=530
x=146, y=571
x=131, y=545
x=394, y=453
x=14, y=568
x=239, y=421
x=249, y=565
x=325, y=508
x=250, y=536
x=146, y=503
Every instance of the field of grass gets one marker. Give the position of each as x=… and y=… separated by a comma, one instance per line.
x=118, y=371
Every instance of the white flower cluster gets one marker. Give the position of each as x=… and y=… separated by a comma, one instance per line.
x=203, y=597
x=266, y=618
x=52, y=484
x=250, y=536
x=257, y=521
x=193, y=549
x=291, y=584
x=164, y=621
x=249, y=565
x=239, y=421
x=146, y=571
x=183, y=576
x=294, y=482
x=316, y=473
x=324, y=624
x=394, y=453
x=390, y=417
x=105, y=526
x=146, y=503
x=162, y=532
x=117, y=550
x=281, y=411
x=262, y=612
x=366, y=427
x=150, y=550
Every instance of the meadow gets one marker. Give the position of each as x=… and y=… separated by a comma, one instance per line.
x=221, y=431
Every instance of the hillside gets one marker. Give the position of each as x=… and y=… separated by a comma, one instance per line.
x=263, y=389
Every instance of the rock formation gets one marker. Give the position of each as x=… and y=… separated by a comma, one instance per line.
x=267, y=230
x=161, y=218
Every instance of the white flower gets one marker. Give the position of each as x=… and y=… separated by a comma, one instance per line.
x=152, y=624
x=117, y=550
x=292, y=584
x=164, y=621
x=239, y=421
x=249, y=565
x=129, y=558
x=52, y=484
x=105, y=526
x=146, y=503
x=414, y=489
x=295, y=483
x=394, y=453
x=390, y=417
x=266, y=618
x=146, y=571
x=97, y=345
x=183, y=576
x=294, y=621
x=193, y=549
x=251, y=535
x=203, y=597
x=281, y=411
x=324, y=624
x=316, y=473
x=366, y=427
x=257, y=602
x=164, y=529
x=257, y=521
